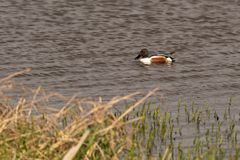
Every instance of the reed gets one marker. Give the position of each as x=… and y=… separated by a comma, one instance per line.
x=79, y=129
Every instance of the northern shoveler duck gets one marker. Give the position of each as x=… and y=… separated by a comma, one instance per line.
x=160, y=58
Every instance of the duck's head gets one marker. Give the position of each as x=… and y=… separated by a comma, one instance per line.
x=142, y=54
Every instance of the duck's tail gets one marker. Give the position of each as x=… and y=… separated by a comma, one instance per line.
x=173, y=59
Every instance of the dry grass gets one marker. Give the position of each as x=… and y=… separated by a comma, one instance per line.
x=81, y=129
x=35, y=124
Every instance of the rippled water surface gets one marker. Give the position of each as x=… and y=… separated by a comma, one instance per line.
x=88, y=47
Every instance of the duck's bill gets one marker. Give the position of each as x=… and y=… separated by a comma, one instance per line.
x=137, y=57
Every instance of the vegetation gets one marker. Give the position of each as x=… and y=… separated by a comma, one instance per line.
x=39, y=125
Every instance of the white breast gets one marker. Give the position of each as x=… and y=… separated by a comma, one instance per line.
x=146, y=61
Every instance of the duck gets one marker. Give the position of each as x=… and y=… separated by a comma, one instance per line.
x=162, y=57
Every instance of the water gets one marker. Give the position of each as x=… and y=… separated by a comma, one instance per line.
x=88, y=47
